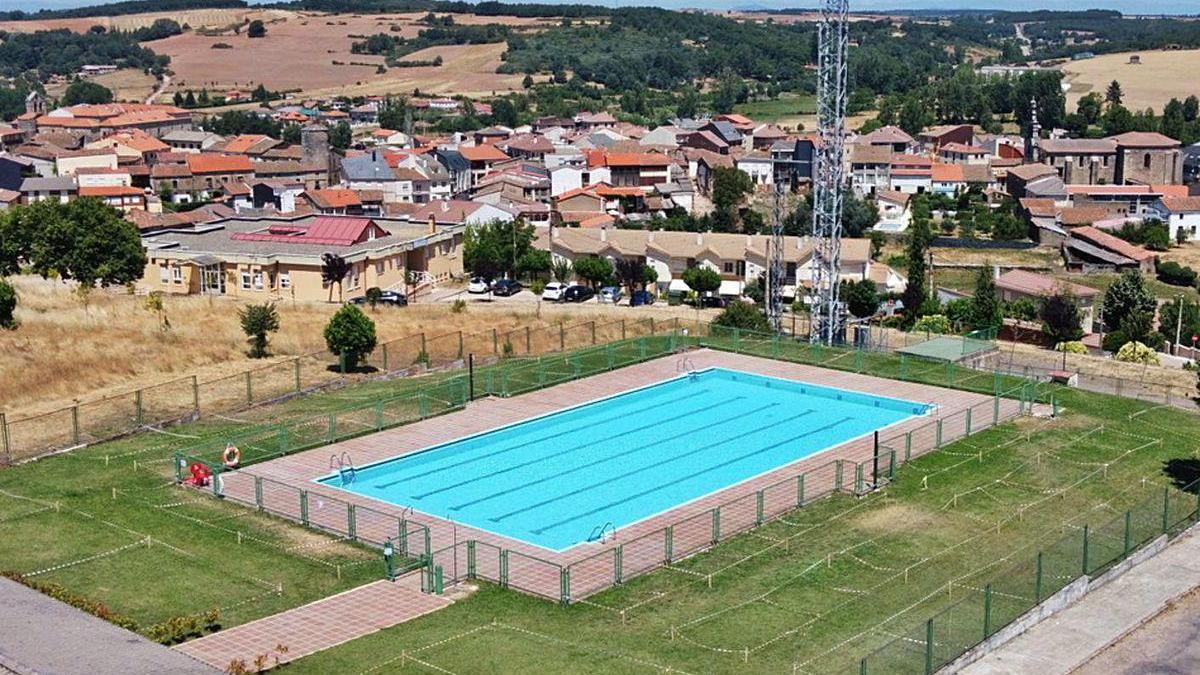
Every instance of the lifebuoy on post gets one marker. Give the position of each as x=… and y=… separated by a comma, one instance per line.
x=232, y=456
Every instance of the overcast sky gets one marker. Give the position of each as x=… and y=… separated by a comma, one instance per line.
x=1128, y=6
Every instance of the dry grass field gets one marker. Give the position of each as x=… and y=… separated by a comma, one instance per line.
x=1161, y=76
x=299, y=50
x=63, y=351
x=129, y=84
x=196, y=18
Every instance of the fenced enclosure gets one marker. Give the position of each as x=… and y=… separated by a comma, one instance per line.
x=1086, y=551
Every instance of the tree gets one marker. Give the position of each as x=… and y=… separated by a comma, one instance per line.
x=87, y=241
x=334, y=269
x=257, y=321
x=1184, y=318
x=862, y=299
x=534, y=263
x=1061, y=321
x=84, y=91
x=1090, y=107
x=8, y=304
x=527, y=82
x=562, y=271
x=985, y=303
x=373, y=295
x=594, y=269
x=1117, y=120
x=256, y=29
x=632, y=273
x=1126, y=297
x=350, y=335
x=496, y=248
x=919, y=238
x=1114, y=96
x=729, y=186
x=743, y=316
x=702, y=280
x=878, y=241
x=340, y=136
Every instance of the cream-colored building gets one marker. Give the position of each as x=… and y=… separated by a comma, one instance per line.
x=280, y=258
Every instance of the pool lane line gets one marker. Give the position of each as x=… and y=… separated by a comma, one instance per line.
x=608, y=458
x=668, y=460
x=626, y=498
x=524, y=443
x=657, y=422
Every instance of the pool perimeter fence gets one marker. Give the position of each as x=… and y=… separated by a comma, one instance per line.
x=471, y=559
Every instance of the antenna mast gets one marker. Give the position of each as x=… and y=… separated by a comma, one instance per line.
x=828, y=318
x=775, y=263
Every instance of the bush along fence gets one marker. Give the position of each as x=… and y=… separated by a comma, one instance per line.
x=188, y=398
x=988, y=607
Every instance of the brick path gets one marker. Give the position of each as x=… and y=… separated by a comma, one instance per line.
x=318, y=625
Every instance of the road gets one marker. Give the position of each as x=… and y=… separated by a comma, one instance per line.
x=1168, y=644
x=162, y=86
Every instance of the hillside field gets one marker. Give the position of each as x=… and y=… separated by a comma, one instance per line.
x=1162, y=75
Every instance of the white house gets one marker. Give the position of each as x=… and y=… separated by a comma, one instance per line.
x=758, y=165
x=894, y=213
x=1181, y=214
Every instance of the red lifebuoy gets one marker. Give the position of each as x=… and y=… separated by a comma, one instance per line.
x=231, y=457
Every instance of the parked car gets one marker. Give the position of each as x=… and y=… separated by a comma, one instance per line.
x=554, y=291
x=478, y=285
x=707, y=301
x=611, y=294
x=394, y=298
x=640, y=298
x=506, y=287
x=578, y=293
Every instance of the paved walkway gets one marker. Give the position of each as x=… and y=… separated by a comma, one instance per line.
x=1168, y=645
x=1069, y=639
x=318, y=625
x=41, y=635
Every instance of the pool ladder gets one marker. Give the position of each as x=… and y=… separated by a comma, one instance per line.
x=685, y=365
x=344, y=466
x=598, y=532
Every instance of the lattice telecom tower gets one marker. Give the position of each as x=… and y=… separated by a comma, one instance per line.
x=828, y=317
x=775, y=262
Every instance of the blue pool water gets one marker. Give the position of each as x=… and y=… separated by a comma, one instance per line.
x=553, y=480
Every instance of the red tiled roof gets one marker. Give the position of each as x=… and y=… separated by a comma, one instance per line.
x=1112, y=243
x=1145, y=139
x=1040, y=285
x=1182, y=204
x=208, y=163
x=948, y=173
x=327, y=230
x=638, y=159
x=110, y=191
x=482, y=153
x=334, y=198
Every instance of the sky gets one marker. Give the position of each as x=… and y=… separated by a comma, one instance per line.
x=1127, y=6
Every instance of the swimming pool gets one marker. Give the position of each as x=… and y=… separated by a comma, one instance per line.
x=554, y=480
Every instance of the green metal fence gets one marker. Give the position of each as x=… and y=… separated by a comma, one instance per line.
x=986, y=607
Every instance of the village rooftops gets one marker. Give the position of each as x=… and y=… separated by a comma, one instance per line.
x=1077, y=146
x=1040, y=285
x=1112, y=243
x=889, y=135
x=334, y=198
x=209, y=164
x=1145, y=139
x=482, y=153
x=1182, y=204
x=726, y=246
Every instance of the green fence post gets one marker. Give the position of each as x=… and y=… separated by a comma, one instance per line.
x=137, y=406
x=304, y=507
x=652, y=325
x=737, y=340
x=593, y=332
x=402, y=538
x=179, y=462
x=195, y=394
x=1085, y=550
x=716, y=525
x=938, y=444
x=297, y=373
x=564, y=585
x=437, y=580
x=758, y=508
x=541, y=373
x=284, y=440
x=891, y=465
x=837, y=480
x=422, y=405
x=996, y=382
x=618, y=564
x=1125, y=550
x=528, y=341
x=1037, y=583
x=504, y=568
x=862, y=667
x=987, y=611
x=929, y=647
x=249, y=390
x=858, y=368
x=495, y=342
x=949, y=374
x=562, y=338
x=470, y=558
x=428, y=547
x=332, y=427
x=968, y=422
x=642, y=343
x=460, y=344
x=1166, y=509
x=904, y=366
x=351, y=522
x=379, y=415
x=75, y=424
x=996, y=410
x=858, y=479
x=608, y=354
x=668, y=543
x=800, y=491
x=907, y=446
x=258, y=499
x=622, y=329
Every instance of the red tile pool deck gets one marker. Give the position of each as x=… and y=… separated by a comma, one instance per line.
x=634, y=549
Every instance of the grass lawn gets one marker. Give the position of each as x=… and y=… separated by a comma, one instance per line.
x=788, y=105
x=815, y=591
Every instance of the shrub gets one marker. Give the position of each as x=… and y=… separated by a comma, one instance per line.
x=744, y=316
x=1072, y=347
x=933, y=323
x=257, y=321
x=1136, y=352
x=221, y=45
x=8, y=304
x=182, y=628
x=350, y=334
x=1173, y=273
x=458, y=306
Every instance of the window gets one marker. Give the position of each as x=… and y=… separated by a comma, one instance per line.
x=258, y=281
x=245, y=281
x=285, y=279
x=791, y=270
x=1146, y=161
x=728, y=268
x=177, y=274
x=163, y=274
x=379, y=268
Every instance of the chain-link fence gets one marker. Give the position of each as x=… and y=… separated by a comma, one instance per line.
x=987, y=607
